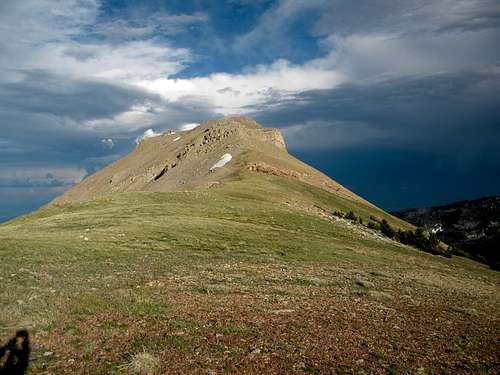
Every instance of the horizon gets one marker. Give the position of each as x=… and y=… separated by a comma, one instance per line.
x=398, y=102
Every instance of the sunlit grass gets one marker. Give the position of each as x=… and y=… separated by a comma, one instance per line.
x=126, y=255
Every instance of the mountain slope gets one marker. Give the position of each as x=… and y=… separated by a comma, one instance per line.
x=470, y=226
x=183, y=160
x=253, y=274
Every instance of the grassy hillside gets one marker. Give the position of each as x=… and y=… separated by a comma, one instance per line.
x=249, y=276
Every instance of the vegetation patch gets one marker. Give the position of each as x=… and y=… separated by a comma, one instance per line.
x=418, y=238
x=196, y=281
x=142, y=363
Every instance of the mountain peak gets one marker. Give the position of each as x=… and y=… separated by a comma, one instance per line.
x=208, y=155
x=234, y=121
x=244, y=124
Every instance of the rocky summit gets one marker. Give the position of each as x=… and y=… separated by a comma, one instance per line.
x=204, y=157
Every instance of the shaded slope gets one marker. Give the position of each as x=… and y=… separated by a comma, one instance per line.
x=471, y=227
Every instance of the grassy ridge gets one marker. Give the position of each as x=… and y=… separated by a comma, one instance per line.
x=234, y=261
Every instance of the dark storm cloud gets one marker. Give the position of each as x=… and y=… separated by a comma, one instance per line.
x=396, y=178
x=400, y=143
x=43, y=117
x=55, y=110
x=47, y=122
x=79, y=100
x=437, y=113
x=434, y=16
x=31, y=183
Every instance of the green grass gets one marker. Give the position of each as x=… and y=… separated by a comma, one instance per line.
x=47, y=260
x=253, y=235
x=135, y=236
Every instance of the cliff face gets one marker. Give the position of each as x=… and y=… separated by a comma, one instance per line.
x=276, y=138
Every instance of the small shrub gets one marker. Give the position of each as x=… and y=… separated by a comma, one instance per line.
x=142, y=363
x=457, y=250
x=428, y=242
x=338, y=214
x=351, y=216
x=386, y=229
x=406, y=237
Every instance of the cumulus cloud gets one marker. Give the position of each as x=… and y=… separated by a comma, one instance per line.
x=150, y=133
x=50, y=40
x=371, y=57
x=131, y=61
x=190, y=126
x=255, y=86
x=135, y=117
x=107, y=143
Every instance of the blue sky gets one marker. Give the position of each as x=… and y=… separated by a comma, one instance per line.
x=398, y=100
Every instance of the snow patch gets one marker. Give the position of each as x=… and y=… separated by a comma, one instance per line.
x=438, y=228
x=226, y=158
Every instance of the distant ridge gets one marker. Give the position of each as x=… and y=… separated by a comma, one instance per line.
x=472, y=227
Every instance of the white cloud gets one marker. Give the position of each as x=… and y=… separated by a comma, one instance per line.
x=137, y=117
x=150, y=133
x=48, y=38
x=187, y=127
x=131, y=61
x=380, y=56
x=57, y=38
x=232, y=93
x=107, y=143
x=127, y=62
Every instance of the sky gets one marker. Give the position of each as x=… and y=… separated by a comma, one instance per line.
x=399, y=100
